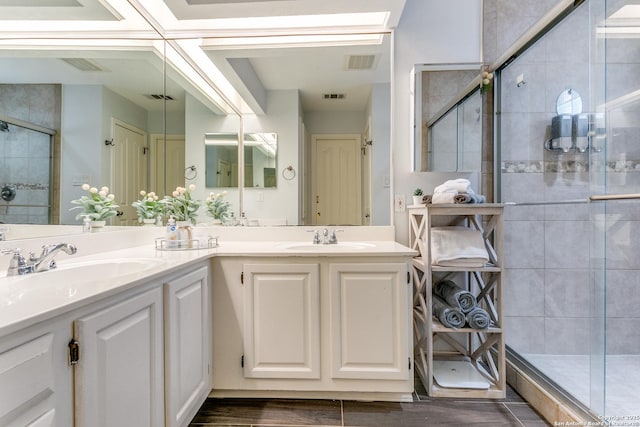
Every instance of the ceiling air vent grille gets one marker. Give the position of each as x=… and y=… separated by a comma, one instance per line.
x=361, y=62
x=333, y=96
x=160, y=96
x=83, y=64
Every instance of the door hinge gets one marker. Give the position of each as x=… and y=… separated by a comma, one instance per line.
x=242, y=361
x=74, y=352
x=242, y=278
x=408, y=277
x=409, y=363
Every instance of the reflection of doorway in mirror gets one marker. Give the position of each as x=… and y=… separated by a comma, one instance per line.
x=336, y=179
x=173, y=170
x=224, y=173
x=128, y=169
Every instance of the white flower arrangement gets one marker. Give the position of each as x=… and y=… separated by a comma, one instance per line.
x=487, y=81
x=180, y=205
x=149, y=206
x=217, y=207
x=99, y=205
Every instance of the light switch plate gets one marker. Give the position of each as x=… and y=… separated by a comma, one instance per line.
x=400, y=203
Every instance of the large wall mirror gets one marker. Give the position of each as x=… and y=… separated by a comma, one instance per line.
x=78, y=97
x=447, y=117
x=308, y=95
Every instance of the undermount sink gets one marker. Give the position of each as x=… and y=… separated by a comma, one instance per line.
x=72, y=280
x=69, y=271
x=340, y=246
x=108, y=268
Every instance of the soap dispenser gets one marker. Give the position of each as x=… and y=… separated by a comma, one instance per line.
x=86, y=224
x=172, y=236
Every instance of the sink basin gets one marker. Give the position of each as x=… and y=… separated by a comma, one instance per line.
x=71, y=280
x=107, y=268
x=338, y=247
x=71, y=272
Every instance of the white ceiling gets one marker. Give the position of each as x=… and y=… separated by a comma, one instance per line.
x=312, y=70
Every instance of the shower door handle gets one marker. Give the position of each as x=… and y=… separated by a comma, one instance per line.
x=626, y=196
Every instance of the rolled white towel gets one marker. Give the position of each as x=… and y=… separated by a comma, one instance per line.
x=444, y=197
x=459, y=185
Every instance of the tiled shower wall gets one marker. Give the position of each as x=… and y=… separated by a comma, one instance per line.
x=25, y=155
x=551, y=300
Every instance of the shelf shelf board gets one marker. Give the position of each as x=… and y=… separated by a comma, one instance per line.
x=438, y=327
x=489, y=268
x=491, y=393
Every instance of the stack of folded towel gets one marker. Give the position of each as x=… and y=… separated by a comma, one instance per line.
x=458, y=247
x=454, y=191
x=453, y=307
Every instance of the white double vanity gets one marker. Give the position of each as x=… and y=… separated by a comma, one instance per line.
x=123, y=334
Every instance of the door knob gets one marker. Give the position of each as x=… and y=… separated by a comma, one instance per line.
x=119, y=213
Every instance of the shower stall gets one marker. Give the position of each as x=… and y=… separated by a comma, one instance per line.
x=568, y=165
x=26, y=159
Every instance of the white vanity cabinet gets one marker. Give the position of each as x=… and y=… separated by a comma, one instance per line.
x=326, y=327
x=140, y=357
x=119, y=375
x=368, y=320
x=187, y=345
x=35, y=379
x=281, y=321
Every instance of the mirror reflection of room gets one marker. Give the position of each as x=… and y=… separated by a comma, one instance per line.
x=142, y=93
x=448, y=118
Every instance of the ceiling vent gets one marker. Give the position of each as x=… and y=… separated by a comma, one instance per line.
x=83, y=64
x=160, y=96
x=360, y=62
x=333, y=96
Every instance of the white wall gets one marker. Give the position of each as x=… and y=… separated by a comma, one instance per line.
x=281, y=117
x=83, y=146
x=429, y=32
x=200, y=120
x=380, y=111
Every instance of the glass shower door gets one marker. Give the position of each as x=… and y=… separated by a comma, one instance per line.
x=25, y=173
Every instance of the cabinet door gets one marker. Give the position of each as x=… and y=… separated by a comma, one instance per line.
x=35, y=378
x=370, y=321
x=281, y=321
x=119, y=376
x=187, y=349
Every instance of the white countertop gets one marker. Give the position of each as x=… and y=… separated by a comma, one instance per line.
x=29, y=299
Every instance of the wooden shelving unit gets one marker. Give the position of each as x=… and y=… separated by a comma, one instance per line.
x=483, y=348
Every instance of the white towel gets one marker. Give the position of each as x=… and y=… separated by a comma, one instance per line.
x=458, y=246
x=459, y=185
x=444, y=197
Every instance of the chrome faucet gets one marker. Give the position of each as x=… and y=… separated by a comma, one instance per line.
x=327, y=237
x=19, y=265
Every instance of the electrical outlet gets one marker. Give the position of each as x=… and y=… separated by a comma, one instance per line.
x=399, y=203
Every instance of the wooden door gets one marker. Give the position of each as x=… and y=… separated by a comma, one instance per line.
x=119, y=376
x=336, y=180
x=281, y=321
x=128, y=169
x=174, y=169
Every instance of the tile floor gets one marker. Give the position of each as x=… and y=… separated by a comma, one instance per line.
x=422, y=412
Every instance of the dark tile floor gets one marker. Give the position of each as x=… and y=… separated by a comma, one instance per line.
x=422, y=412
